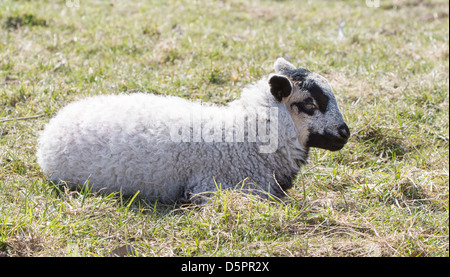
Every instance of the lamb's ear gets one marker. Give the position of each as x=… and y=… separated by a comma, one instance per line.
x=280, y=86
x=281, y=65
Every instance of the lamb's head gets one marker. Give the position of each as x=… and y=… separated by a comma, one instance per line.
x=311, y=104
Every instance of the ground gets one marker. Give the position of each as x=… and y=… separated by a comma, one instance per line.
x=384, y=194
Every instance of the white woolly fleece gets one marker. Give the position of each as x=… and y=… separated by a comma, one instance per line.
x=123, y=142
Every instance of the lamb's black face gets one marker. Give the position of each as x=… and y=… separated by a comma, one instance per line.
x=312, y=106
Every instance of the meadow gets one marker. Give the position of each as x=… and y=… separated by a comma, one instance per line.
x=385, y=194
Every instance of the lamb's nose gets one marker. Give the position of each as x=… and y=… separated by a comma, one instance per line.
x=344, y=132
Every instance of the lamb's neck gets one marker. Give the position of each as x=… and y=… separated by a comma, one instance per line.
x=290, y=162
x=286, y=155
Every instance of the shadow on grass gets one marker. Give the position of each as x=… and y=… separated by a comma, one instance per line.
x=122, y=202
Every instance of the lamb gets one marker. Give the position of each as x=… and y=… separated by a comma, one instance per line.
x=174, y=150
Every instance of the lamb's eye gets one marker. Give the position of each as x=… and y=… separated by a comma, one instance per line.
x=307, y=106
x=310, y=106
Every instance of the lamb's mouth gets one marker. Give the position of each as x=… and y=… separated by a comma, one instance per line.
x=326, y=141
x=336, y=146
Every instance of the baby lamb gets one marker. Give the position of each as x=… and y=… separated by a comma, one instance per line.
x=171, y=149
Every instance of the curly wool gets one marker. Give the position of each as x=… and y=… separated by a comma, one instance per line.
x=123, y=143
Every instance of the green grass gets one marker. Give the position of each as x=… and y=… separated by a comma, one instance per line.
x=384, y=194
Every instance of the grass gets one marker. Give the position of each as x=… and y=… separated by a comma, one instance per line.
x=384, y=194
